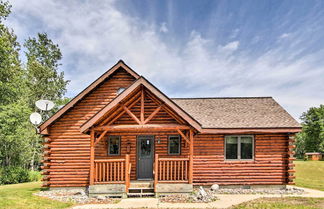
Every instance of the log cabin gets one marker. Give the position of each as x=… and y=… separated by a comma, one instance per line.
x=122, y=135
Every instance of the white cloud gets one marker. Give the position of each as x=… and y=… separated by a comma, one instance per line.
x=284, y=35
x=232, y=46
x=163, y=28
x=94, y=36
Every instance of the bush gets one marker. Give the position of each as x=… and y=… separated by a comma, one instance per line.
x=34, y=176
x=13, y=175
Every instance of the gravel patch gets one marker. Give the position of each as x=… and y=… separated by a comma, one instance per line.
x=287, y=191
x=75, y=196
x=200, y=195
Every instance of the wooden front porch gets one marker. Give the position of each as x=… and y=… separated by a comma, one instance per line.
x=167, y=169
x=141, y=113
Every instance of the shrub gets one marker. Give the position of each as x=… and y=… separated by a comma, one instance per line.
x=13, y=175
x=34, y=176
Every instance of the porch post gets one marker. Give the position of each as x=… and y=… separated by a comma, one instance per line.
x=191, y=146
x=92, y=153
x=127, y=173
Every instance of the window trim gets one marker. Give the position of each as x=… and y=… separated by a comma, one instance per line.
x=239, y=148
x=119, y=144
x=179, y=150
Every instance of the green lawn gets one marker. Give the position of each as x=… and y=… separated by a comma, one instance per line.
x=20, y=196
x=283, y=203
x=310, y=174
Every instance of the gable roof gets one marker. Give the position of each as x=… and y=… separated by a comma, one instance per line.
x=237, y=112
x=102, y=78
x=141, y=81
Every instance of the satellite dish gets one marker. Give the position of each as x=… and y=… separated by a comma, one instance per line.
x=35, y=118
x=44, y=104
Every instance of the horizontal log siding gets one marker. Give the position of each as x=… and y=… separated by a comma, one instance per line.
x=101, y=151
x=68, y=153
x=268, y=167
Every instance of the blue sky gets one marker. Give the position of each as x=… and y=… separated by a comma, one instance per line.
x=189, y=48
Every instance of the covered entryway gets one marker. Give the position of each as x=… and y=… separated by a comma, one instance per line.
x=141, y=135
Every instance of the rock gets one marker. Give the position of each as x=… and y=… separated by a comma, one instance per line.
x=214, y=187
x=100, y=197
x=82, y=193
x=202, y=192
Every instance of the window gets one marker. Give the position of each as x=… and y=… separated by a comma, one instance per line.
x=174, y=145
x=120, y=90
x=114, y=145
x=239, y=147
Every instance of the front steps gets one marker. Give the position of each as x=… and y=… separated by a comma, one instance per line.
x=138, y=189
x=141, y=189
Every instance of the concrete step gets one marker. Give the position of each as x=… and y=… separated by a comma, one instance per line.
x=142, y=184
x=140, y=190
x=140, y=194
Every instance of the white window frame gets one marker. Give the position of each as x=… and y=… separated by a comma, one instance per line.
x=239, y=148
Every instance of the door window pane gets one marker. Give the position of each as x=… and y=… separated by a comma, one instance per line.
x=146, y=147
x=231, y=147
x=174, y=145
x=114, y=145
x=246, y=147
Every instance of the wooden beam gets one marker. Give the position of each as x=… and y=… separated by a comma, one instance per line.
x=166, y=109
x=100, y=137
x=127, y=176
x=157, y=127
x=122, y=112
x=131, y=114
x=130, y=103
x=92, y=153
x=183, y=136
x=191, y=147
x=156, y=171
x=152, y=114
x=142, y=105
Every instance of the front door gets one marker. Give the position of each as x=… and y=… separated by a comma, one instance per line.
x=145, y=157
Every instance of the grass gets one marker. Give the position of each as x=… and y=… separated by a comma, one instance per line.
x=283, y=203
x=310, y=174
x=21, y=196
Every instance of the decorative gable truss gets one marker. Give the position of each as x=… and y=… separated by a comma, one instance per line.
x=138, y=108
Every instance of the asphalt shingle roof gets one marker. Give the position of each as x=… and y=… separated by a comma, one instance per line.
x=237, y=112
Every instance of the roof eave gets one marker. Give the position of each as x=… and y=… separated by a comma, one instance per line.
x=88, y=89
x=251, y=130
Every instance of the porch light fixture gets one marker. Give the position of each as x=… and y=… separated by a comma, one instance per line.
x=158, y=140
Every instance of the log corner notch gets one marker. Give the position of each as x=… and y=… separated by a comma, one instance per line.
x=291, y=158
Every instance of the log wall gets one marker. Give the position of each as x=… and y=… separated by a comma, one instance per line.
x=67, y=152
x=270, y=165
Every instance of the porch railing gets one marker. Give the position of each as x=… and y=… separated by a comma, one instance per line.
x=171, y=170
x=112, y=171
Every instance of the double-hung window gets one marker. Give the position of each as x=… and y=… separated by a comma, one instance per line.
x=174, y=145
x=239, y=147
x=114, y=145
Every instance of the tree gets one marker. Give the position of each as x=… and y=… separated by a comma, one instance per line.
x=20, y=87
x=10, y=67
x=312, y=136
x=43, y=79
